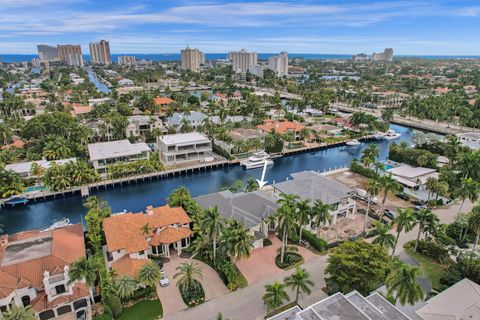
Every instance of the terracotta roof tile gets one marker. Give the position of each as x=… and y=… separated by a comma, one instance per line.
x=41, y=303
x=164, y=216
x=128, y=266
x=163, y=100
x=280, y=127
x=170, y=235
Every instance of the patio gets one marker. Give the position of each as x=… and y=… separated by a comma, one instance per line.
x=344, y=229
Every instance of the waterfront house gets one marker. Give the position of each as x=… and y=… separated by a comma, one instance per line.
x=281, y=127
x=351, y=306
x=132, y=237
x=327, y=128
x=313, y=186
x=250, y=209
x=163, y=104
x=103, y=154
x=194, y=119
x=24, y=169
x=34, y=271
x=412, y=177
x=470, y=139
x=139, y=125
x=184, y=147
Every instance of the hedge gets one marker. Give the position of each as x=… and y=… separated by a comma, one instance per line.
x=221, y=152
x=361, y=170
x=317, y=243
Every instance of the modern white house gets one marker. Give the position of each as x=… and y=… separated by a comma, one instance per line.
x=34, y=271
x=412, y=177
x=470, y=139
x=184, y=147
x=132, y=237
x=138, y=125
x=103, y=154
x=250, y=209
x=24, y=169
x=194, y=119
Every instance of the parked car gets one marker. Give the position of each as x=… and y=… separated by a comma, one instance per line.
x=418, y=202
x=402, y=196
x=390, y=213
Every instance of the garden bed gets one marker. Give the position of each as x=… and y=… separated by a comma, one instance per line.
x=290, y=260
x=193, y=296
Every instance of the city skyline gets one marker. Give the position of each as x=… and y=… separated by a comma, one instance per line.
x=336, y=27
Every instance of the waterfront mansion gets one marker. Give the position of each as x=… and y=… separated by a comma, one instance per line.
x=132, y=237
x=34, y=271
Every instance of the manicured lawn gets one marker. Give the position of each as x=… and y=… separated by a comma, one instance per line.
x=144, y=310
x=432, y=269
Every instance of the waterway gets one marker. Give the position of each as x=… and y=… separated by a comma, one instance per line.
x=135, y=197
x=101, y=87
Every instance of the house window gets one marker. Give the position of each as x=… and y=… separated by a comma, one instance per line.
x=64, y=309
x=109, y=256
x=3, y=308
x=60, y=289
x=45, y=315
x=141, y=252
x=26, y=300
x=80, y=304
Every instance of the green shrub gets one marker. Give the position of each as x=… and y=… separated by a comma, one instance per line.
x=413, y=156
x=361, y=170
x=317, y=243
x=115, y=305
x=267, y=242
x=221, y=152
x=194, y=295
x=431, y=249
x=290, y=259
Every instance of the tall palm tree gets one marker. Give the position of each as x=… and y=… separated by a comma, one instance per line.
x=189, y=275
x=84, y=269
x=212, y=225
x=469, y=189
x=236, y=241
x=373, y=189
x=388, y=184
x=384, y=237
x=149, y=274
x=285, y=217
x=299, y=281
x=18, y=313
x=303, y=215
x=251, y=185
x=403, y=283
x=126, y=286
x=404, y=221
x=474, y=221
x=321, y=213
x=146, y=229
x=275, y=295
x=426, y=220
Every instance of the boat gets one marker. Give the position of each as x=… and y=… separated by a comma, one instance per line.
x=353, y=142
x=379, y=135
x=257, y=160
x=16, y=201
x=391, y=134
x=58, y=224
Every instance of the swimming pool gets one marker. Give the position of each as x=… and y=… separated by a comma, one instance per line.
x=34, y=188
x=387, y=166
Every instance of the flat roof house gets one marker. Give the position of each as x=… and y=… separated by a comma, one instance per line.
x=24, y=169
x=194, y=118
x=412, y=177
x=128, y=244
x=313, y=186
x=352, y=306
x=139, y=125
x=470, y=139
x=103, y=154
x=184, y=147
x=249, y=209
x=34, y=271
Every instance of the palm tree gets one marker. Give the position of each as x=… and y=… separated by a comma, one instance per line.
x=188, y=274
x=404, y=221
x=303, y=215
x=474, y=221
x=426, y=220
x=373, y=189
x=275, y=295
x=321, y=213
x=385, y=238
x=369, y=155
x=403, y=283
x=18, y=313
x=146, y=229
x=212, y=225
x=285, y=217
x=300, y=282
x=236, y=241
x=469, y=189
x=84, y=270
x=149, y=274
x=126, y=286
x=252, y=185
x=431, y=186
x=388, y=184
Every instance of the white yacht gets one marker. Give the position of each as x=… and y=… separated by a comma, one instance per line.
x=59, y=224
x=257, y=160
x=391, y=134
x=353, y=142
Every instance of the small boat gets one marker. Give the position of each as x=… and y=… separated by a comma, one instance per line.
x=353, y=142
x=16, y=201
x=391, y=134
x=379, y=135
x=58, y=224
x=257, y=160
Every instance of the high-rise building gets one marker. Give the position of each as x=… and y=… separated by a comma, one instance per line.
x=36, y=62
x=126, y=60
x=279, y=64
x=75, y=60
x=47, y=53
x=191, y=59
x=360, y=57
x=100, y=52
x=242, y=60
x=257, y=70
x=65, y=50
x=386, y=55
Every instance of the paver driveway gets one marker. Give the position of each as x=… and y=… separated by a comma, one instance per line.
x=261, y=263
x=170, y=297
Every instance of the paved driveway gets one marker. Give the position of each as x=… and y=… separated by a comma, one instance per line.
x=170, y=297
x=261, y=263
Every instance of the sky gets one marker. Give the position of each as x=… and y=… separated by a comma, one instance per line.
x=436, y=27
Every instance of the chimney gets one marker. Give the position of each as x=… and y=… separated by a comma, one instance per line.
x=150, y=210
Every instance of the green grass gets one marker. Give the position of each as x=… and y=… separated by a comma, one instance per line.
x=432, y=269
x=143, y=310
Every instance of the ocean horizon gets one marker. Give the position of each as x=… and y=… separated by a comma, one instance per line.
x=214, y=56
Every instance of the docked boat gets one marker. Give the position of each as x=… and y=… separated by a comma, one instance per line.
x=353, y=142
x=59, y=224
x=379, y=135
x=16, y=201
x=257, y=160
x=391, y=134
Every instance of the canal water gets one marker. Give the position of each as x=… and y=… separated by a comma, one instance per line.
x=101, y=87
x=135, y=197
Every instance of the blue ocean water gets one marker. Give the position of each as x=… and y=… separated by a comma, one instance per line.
x=215, y=56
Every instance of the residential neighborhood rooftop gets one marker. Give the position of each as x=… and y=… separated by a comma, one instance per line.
x=115, y=149
x=181, y=138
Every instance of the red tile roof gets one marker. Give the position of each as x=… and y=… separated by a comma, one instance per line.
x=128, y=266
x=41, y=303
x=163, y=100
x=280, y=127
